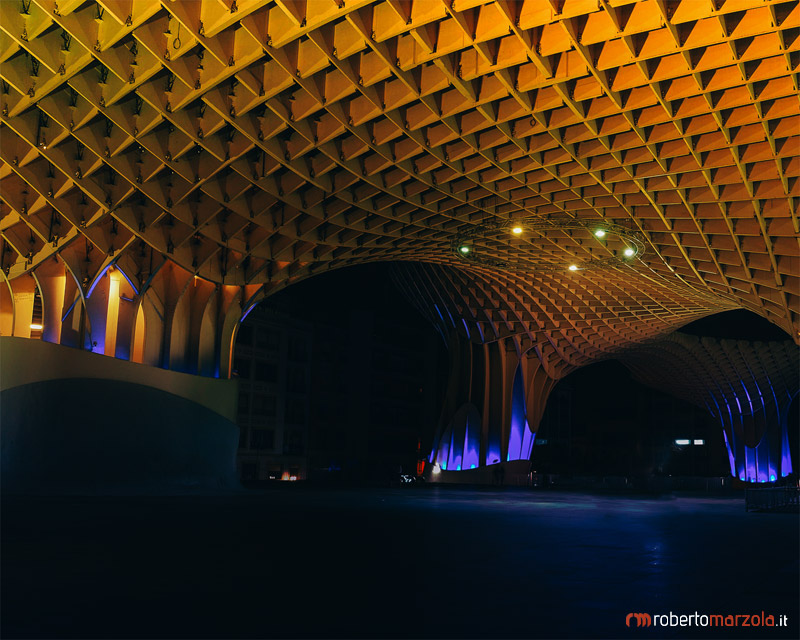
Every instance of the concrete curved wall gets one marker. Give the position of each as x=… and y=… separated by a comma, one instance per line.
x=72, y=421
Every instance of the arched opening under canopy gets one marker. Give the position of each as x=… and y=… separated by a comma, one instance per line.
x=339, y=377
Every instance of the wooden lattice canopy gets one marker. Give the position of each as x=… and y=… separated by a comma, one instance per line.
x=256, y=142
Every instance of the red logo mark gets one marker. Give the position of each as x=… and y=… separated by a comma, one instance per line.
x=642, y=619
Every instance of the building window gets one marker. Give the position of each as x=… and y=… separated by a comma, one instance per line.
x=296, y=412
x=243, y=437
x=293, y=443
x=244, y=337
x=262, y=439
x=249, y=471
x=244, y=402
x=267, y=339
x=264, y=405
x=266, y=371
x=298, y=350
x=297, y=380
x=242, y=366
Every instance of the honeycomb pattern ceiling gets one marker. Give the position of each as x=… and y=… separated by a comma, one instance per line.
x=256, y=142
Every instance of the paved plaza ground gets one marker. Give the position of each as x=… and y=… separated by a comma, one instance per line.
x=418, y=562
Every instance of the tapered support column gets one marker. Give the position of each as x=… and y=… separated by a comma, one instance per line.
x=492, y=409
x=747, y=386
x=24, y=293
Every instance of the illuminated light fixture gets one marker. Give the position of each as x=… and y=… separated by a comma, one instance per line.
x=629, y=252
x=573, y=267
x=35, y=326
x=699, y=442
x=683, y=442
x=529, y=257
x=772, y=478
x=436, y=469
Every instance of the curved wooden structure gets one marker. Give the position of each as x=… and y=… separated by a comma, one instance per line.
x=167, y=164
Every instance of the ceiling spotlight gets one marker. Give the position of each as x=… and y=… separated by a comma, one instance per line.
x=464, y=249
x=629, y=252
x=516, y=230
x=573, y=267
x=600, y=233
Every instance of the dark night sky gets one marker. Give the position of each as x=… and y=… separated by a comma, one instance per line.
x=736, y=325
x=368, y=287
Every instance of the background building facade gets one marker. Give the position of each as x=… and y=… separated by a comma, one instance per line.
x=348, y=393
x=272, y=359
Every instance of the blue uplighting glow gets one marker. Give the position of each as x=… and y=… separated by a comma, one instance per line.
x=97, y=279
x=472, y=439
x=517, y=417
x=756, y=413
x=247, y=311
x=520, y=441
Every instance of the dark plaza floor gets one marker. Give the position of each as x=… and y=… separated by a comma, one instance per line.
x=419, y=562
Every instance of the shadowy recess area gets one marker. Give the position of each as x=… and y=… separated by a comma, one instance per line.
x=420, y=562
x=599, y=420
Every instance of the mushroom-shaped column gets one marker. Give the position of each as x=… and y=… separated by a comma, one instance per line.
x=493, y=405
x=747, y=386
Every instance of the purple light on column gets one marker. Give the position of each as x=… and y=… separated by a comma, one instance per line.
x=730, y=453
x=453, y=458
x=97, y=279
x=786, y=458
x=444, y=450
x=527, y=442
x=749, y=464
x=471, y=442
x=247, y=312
x=764, y=459
x=518, y=422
